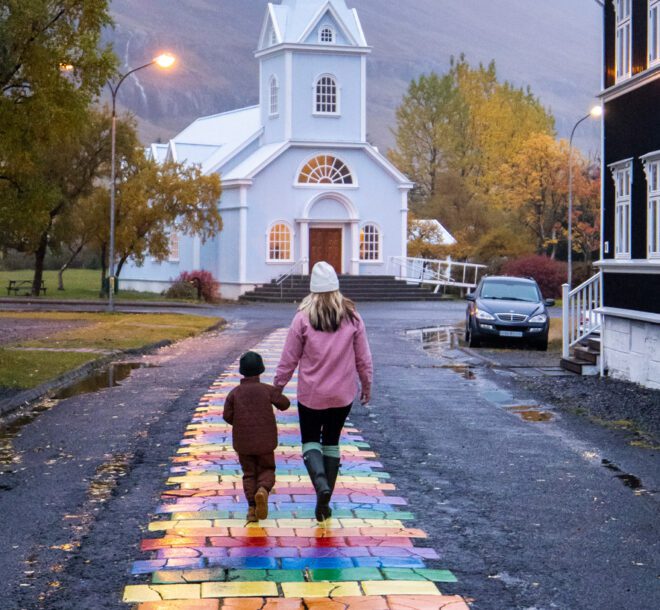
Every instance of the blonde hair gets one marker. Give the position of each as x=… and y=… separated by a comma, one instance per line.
x=327, y=310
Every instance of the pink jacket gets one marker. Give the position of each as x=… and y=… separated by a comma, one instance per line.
x=329, y=364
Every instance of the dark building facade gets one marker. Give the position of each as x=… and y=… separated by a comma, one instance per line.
x=631, y=191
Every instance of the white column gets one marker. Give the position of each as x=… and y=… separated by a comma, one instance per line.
x=363, y=102
x=404, y=223
x=355, y=249
x=197, y=253
x=288, y=102
x=242, y=236
x=304, y=245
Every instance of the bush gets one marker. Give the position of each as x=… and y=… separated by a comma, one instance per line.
x=549, y=274
x=181, y=290
x=207, y=283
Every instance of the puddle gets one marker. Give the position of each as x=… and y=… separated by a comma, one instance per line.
x=437, y=338
x=107, y=378
x=629, y=480
x=463, y=370
x=107, y=477
x=532, y=415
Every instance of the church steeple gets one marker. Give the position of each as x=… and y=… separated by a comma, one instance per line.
x=312, y=56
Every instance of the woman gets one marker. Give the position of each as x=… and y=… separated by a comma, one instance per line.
x=327, y=341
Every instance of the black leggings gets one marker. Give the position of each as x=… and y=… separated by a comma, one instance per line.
x=322, y=425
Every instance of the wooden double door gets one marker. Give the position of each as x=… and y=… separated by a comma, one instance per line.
x=326, y=245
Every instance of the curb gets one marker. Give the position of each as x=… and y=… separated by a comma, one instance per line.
x=99, y=303
x=26, y=397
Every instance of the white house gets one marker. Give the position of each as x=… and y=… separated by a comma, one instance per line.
x=300, y=181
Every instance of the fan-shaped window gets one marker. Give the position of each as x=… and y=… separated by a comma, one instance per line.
x=326, y=98
x=325, y=169
x=326, y=35
x=274, y=103
x=279, y=242
x=370, y=243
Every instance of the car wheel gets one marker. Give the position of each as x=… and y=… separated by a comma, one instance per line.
x=542, y=345
x=473, y=339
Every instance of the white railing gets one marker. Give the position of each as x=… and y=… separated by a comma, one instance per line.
x=436, y=272
x=579, y=315
x=298, y=266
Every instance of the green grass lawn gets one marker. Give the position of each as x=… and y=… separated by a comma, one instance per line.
x=25, y=369
x=78, y=284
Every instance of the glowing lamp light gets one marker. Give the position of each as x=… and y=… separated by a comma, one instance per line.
x=166, y=60
x=596, y=112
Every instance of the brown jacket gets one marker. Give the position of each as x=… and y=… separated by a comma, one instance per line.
x=248, y=408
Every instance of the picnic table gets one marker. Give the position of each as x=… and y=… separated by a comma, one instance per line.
x=24, y=287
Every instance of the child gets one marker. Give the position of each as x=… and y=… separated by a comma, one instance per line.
x=248, y=408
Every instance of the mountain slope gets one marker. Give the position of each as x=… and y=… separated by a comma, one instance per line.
x=552, y=46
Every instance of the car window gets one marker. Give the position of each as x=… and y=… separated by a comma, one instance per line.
x=516, y=291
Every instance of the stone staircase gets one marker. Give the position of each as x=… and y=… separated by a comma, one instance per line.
x=585, y=357
x=359, y=288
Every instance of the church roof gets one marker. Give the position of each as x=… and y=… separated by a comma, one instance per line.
x=294, y=20
x=210, y=141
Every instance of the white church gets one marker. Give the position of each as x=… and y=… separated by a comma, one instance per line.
x=300, y=181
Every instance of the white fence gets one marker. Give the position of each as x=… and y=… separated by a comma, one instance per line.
x=433, y=272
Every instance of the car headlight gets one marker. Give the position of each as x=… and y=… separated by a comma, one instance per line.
x=540, y=318
x=483, y=315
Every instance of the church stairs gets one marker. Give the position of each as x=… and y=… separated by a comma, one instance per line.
x=358, y=288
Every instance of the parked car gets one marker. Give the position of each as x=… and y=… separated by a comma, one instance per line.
x=506, y=308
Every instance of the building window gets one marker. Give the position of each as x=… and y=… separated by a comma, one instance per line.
x=174, y=248
x=274, y=103
x=654, y=32
x=623, y=39
x=325, y=95
x=325, y=169
x=622, y=174
x=652, y=168
x=273, y=37
x=370, y=243
x=326, y=35
x=279, y=243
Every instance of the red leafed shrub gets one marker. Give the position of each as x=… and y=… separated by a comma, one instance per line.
x=207, y=283
x=549, y=274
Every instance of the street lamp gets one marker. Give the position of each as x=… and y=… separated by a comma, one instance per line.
x=596, y=112
x=163, y=61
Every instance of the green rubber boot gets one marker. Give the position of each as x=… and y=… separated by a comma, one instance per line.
x=314, y=463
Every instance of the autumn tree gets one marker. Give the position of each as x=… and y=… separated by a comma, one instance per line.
x=52, y=67
x=453, y=134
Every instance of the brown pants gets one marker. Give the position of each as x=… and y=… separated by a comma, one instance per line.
x=258, y=471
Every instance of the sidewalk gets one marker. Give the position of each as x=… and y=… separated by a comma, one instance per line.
x=203, y=555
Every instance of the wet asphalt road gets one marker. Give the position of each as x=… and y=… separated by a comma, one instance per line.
x=525, y=514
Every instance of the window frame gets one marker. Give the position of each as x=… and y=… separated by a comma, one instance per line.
x=279, y=261
x=654, y=32
x=622, y=174
x=174, y=246
x=333, y=34
x=273, y=96
x=623, y=39
x=652, y=171
x=317, y=103
x=378, y=243
x=274, y=39
x=353, y=184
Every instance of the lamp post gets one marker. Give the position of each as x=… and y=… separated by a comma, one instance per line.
x=164, y=61
x=596, y=112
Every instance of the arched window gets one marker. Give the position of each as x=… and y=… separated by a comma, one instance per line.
x=370, y=243
x=326, y=35
x=274, y=103
x=325, y=169
x=279, y=242
x=326, y=99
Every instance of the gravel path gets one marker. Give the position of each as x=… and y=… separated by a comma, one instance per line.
x=13, y=330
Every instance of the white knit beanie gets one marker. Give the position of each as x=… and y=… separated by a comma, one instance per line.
x=324, y=278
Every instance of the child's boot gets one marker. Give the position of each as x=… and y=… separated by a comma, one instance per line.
x=261, y=498
x=251, y=515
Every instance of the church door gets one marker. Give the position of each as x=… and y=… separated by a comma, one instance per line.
x=325, y=245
